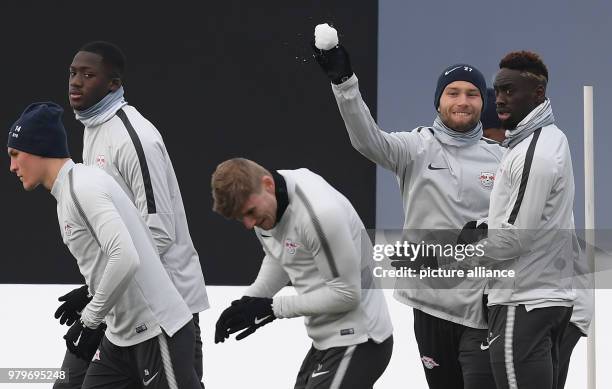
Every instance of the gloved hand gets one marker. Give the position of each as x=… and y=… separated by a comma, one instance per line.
x=83, y=341
x=417, y=256
x=248, y=312
x=74, y=302
x=335, y=62
x=472, y=233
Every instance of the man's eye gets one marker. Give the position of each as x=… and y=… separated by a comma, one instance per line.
x=88, y=75
x=72, y=73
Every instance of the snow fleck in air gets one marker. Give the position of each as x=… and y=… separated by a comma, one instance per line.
x=326, y=37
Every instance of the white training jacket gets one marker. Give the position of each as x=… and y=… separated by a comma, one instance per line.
x=531, y=223
x=317, y=246
x=443, y=187
x=103, y=230
x=132, y=151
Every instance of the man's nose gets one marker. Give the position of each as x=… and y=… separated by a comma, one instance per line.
x=76, y=80
x=462, y=99
x=499, y=98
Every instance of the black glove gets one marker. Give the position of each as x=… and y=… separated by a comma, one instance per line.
x=248, y=312
x=472, y=233
x=335, y=62
x=83, y=341
x=422, y=260
x=74, y=302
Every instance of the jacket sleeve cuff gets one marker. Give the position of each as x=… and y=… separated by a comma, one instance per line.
x=352, y=81
x=89, y=320
x=277, y=307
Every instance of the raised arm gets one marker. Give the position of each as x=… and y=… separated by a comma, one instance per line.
x=391, y=151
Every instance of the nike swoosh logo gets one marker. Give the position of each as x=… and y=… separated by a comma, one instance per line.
x=266, y=236
x=436, y=168
x=76, y=342
x=446, y=73
x=486, y=346
x=147, y=382
x=314, y=374
x=258, y=320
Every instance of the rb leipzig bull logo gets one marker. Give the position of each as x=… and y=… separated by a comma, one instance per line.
x=100, y=161
x=487, y=179
x=292, y=246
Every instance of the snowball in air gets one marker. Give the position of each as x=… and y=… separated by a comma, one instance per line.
x=326, y=37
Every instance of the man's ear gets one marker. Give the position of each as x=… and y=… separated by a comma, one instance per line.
x=267, y=183
x=115, y=84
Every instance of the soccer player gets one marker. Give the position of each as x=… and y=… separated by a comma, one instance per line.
x=445, y=172
x=120, y=141
x=583, y=307
x=531, y=229
x=150, y=335
x=312, y=236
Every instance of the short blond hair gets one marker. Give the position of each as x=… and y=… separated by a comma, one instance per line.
x=233, y=182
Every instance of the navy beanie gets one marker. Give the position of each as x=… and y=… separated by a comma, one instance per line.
x=39, y=131
x=489, y=116
x=461, y=72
